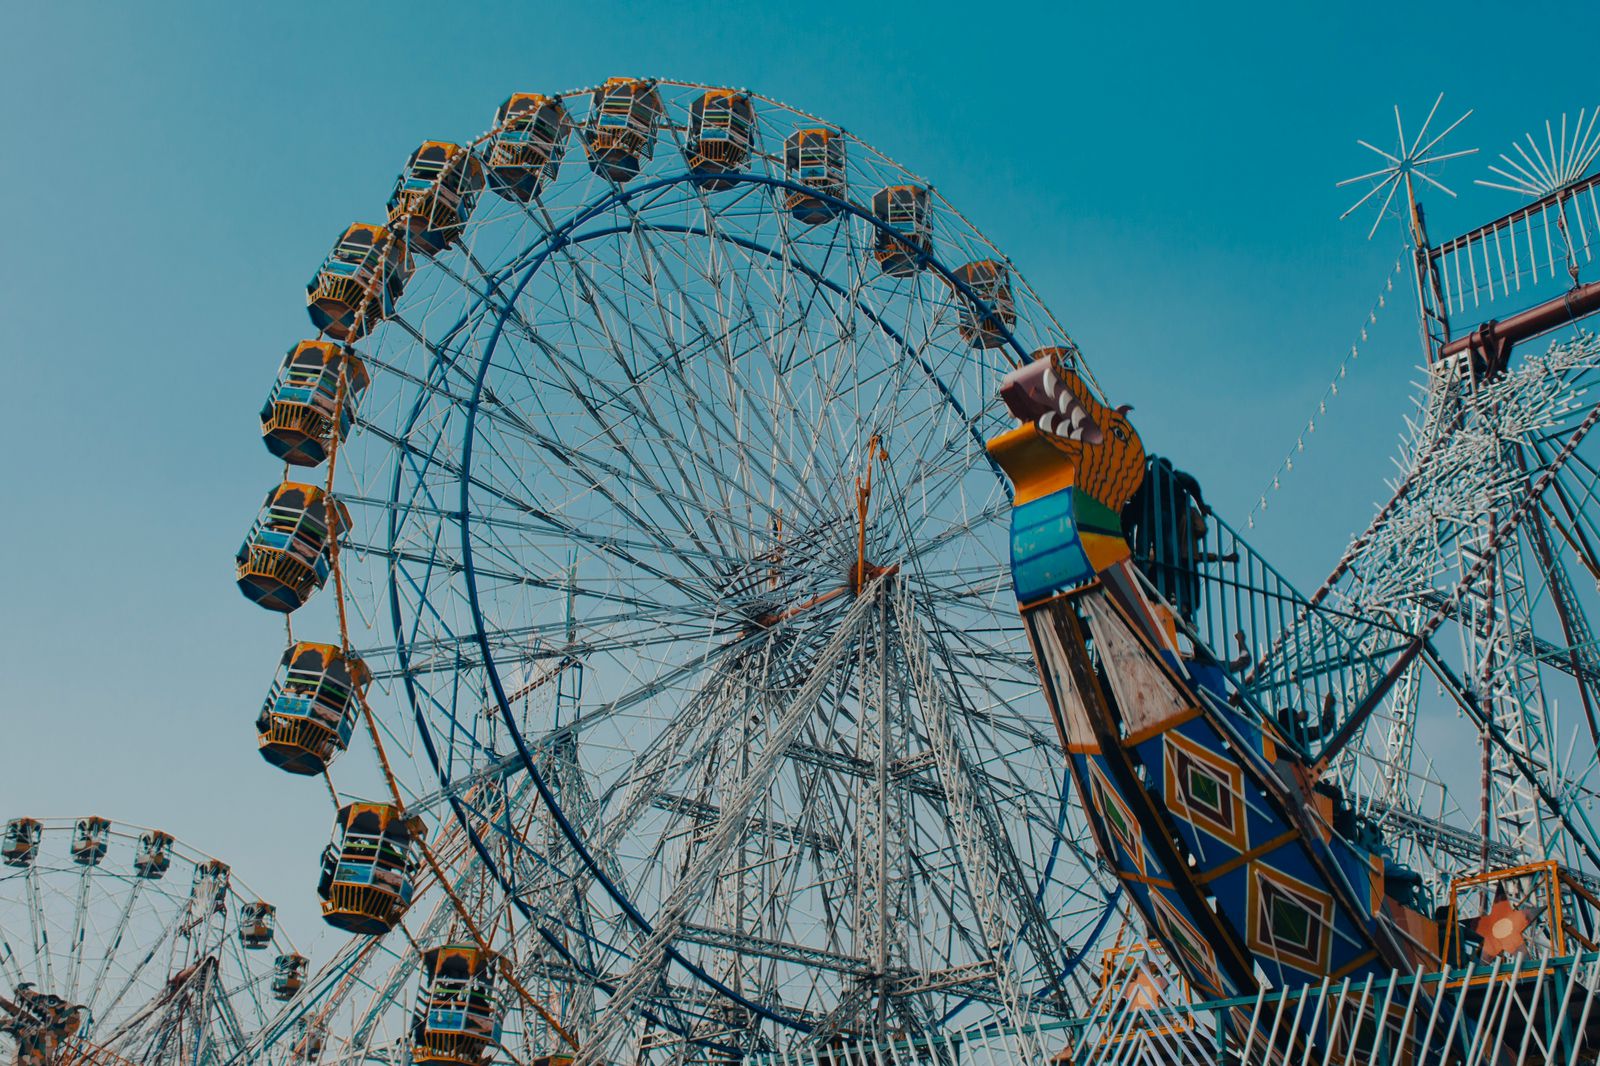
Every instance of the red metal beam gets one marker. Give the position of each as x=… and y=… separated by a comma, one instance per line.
x=1494, y=340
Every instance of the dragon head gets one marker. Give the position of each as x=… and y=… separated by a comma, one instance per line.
x=1067, y=437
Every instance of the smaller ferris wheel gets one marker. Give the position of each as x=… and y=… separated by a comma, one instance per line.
x=120, y=944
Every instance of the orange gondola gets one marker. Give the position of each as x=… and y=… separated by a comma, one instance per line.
x=359, y=282
x=524, y=154
x=815, y=159
x=89, y=839
x=289, y=975
x=457, y=1019
x=721, y=130
x=154, y=858
x=298, y=422
x=257, y=922
x=311, y=707
x=986, y=326
x=621, y=130
x=21, y=844
x=903, y=247
x=367, y=870
x=434, y=196
x=210, y=887
x=285, y=557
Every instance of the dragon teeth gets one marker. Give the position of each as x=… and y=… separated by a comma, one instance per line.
x=1068, y=426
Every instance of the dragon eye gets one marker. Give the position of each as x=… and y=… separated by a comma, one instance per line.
x=1120, y=433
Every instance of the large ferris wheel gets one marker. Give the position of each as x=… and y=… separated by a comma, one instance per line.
x=641, y=450
x=120, y=944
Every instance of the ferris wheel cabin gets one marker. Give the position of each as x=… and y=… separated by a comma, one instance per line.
x=524, y=154
x=367, y=870
x=289, y=976
x=358, y=283
x=434, y=196
x=285, y=557
x=902, y=249
x=621, y=130
x=21, y=843
x=986, y=326
x=309, y=1042
x=154, y=857
x=814, y=158
x=311, y=707
x=722, y=127
x=457, y=1019
x=257, y=923
x=89, y=838
x=210, y=886
x=298, y=421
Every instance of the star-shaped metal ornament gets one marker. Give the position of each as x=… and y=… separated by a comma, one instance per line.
x=1411, y=157
x=1561, y=162
x=1501, y=928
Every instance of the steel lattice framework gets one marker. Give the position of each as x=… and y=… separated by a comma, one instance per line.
x=1488, y=535
x=1463, y=610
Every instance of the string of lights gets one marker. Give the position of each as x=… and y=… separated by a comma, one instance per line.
x=1286, y=465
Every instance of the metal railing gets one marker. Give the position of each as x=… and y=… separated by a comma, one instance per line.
x=1538, y=247
x=1298, y=664
x=1511, y=1011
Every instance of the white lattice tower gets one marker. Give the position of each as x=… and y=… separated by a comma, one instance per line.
x=1400, y=741
x=736, y=894
x=872, y=928
x=1464, y=471
x=723, y=709
x=1509, y=686
x=552, y=890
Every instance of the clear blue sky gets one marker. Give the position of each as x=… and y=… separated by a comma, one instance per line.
x=1163, y=173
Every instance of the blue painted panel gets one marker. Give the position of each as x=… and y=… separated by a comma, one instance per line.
x=270, y=538
x=1046, y=555
x=1141, y=892
x=447, y=1021
x=293, y=706
x=354, y=873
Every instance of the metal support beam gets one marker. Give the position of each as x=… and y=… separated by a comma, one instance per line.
x=708, y=860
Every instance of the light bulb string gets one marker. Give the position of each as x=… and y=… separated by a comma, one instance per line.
x=1286, y=464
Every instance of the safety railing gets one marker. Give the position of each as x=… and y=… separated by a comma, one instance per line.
x=1536, y=250
x=1298, y=664
x=1510, y=1011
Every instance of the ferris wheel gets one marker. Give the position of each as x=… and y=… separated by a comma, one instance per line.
x=642, y=451
x=119, y=944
